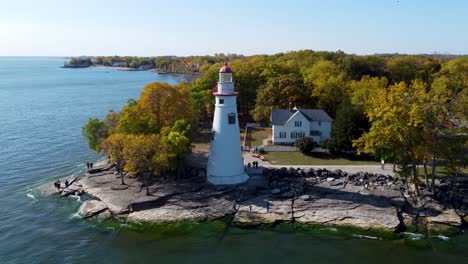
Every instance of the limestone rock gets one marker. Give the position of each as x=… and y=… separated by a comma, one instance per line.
x=342, y=212
x=180, y=209
x=444, y=221
x=255, y=211
x=91, y=207
x=106, y=214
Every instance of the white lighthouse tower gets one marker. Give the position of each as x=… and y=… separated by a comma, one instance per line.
x=225, y=163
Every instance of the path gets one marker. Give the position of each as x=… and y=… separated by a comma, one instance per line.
x=348, y=168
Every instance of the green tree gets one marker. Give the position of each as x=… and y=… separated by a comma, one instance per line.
x=348, y=125
x=95, y=131
x=279, y=93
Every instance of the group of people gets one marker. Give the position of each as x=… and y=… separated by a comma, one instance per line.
x=89, y=165
x=253, y=165
x=58, y=184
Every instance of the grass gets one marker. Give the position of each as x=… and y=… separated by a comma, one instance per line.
x=256, y=135
x=441, y=171
x=297, y=158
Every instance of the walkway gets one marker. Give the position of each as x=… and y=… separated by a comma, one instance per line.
x=348, y=168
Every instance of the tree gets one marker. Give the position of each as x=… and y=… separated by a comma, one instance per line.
x=145, y=155
x=305, y=145
x=134, y=119
x=281, y=92
x=164, y=104
x=348, y=125
x=114, y=146
x=396, y=125
x=95, y=131
x=328, y=85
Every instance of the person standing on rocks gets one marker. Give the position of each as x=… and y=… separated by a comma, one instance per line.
x=91, y=165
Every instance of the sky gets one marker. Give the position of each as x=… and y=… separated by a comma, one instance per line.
x=205, y=27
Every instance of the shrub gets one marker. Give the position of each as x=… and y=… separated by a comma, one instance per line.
x=305, y=144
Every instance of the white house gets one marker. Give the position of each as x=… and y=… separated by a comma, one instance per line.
x=289, y=125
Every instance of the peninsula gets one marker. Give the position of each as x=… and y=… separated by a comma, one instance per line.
x=395, y=125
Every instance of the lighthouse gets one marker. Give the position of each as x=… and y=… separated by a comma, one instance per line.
x=225, y=163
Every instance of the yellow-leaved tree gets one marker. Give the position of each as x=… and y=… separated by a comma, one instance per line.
x=396, y=117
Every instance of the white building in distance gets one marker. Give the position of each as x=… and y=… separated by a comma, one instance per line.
x=289, y=125
x=225, y=162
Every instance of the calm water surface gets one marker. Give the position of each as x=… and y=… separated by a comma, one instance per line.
x=42, y=109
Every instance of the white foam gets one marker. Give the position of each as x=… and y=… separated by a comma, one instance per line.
x=413, y=236
x=445, y=238
x=366, y=237
x=76, y=216
x=77, y=197
x=30, y=195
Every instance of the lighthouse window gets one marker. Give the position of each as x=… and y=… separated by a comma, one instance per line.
x=221, y=101
x=232, y=118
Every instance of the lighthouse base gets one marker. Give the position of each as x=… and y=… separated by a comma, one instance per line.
x=222, y=180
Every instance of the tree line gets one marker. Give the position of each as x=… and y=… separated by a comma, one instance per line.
x=162, y=64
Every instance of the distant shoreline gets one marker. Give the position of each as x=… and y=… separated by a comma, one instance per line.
x=128, y=69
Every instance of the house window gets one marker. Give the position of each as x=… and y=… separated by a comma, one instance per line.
x=294, y=134
x=282, y=134
x=315, y=133
x=300, y=134
x=298, y=123
x=231, y=118
x=221, y=101
x=319, y=123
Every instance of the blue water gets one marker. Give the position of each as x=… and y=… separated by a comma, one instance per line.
x=42, y=109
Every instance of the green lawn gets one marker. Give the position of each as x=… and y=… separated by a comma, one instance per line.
x=440, y=172
x=256, y=135
x=296, y=158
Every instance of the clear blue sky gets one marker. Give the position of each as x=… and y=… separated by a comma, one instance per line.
x=199, y=27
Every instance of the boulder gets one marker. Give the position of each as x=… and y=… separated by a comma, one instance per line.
x=91, y=207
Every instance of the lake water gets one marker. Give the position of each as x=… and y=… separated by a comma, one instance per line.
x=42, y=109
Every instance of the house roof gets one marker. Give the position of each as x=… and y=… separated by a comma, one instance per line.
x=280, y=116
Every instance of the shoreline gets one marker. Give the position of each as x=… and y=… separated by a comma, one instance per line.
x=129, y=69
x=310, y=197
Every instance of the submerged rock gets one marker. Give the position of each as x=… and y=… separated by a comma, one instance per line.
x=91, y=207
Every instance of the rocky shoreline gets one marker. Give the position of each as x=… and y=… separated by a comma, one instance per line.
x=307, y=196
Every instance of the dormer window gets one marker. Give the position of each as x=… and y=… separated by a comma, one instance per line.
x=298, y=123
